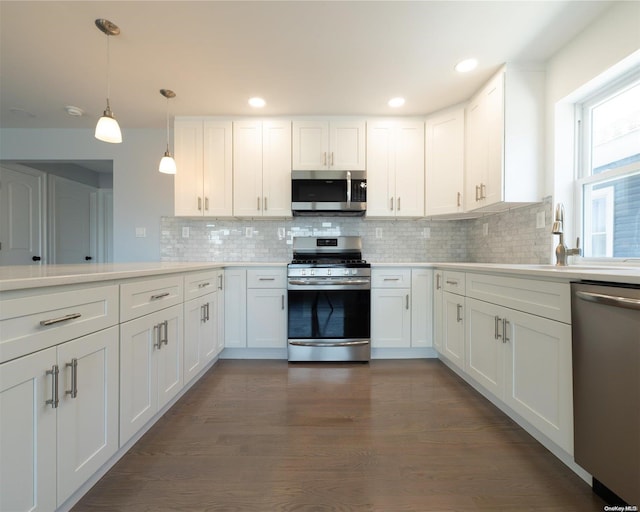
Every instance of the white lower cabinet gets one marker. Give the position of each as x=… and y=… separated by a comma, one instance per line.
x=58, y=420
x=200, y=334
x=438, y=329
x=421, y=307
x=266, y=308
x=151, y=351
x=235, y=307
x=390, y=317
x=453, y=314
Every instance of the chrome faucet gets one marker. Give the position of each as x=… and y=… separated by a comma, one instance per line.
x=561, y=249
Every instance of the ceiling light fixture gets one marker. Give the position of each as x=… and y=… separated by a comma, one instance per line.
x=167, y=164
x=74, y=111
x=466, y=65
x=107, y=129
x=256, y=102
x=396, y=102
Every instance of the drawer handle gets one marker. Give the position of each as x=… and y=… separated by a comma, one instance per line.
x=203, y=285
x=74, y=378
x=160, y=296
x=452, y=282
x=53, y=402
x=266, y=279
x=65, y=318
x=458, y=312
x=220, y=282
x=392, y=279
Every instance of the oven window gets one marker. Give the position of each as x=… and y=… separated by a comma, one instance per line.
x=323, y=314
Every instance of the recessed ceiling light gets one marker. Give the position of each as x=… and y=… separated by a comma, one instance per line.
x=396, y=102
x=257, y=102
x=466, y=65
x=74, y=111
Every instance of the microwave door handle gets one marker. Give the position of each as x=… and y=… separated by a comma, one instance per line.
x=348, y=189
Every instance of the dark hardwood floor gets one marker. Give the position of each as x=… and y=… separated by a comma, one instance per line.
x=389, y=436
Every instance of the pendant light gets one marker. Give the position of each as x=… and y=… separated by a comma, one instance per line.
x=107, y=129
x=167, y=164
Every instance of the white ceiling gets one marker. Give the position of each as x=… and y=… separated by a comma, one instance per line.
x=303, y=57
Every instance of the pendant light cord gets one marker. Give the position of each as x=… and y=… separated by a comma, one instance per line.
x=168, y=125
x=108, y=67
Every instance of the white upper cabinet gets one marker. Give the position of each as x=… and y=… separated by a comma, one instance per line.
x=335, y=145
x=204, y=178
x=504, y=141
x=444, y=163
x=395, y=175
x=262, y=168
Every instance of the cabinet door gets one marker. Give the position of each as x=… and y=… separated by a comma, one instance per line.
x=444, y=166
x=409, y=169
x=494, y=129
x=267, y=309
x=194, y=320
x=380, y=171
x=390, y=317
x=276, y=168
x=27, y=434
x=217, y=168
x=247, y=168
x=476, y=152
x=235, y=308
x=453, y=328
x=169, y=358
x=421, y=308
x=310, y=145
x=347, y=146
x=437, y=310
x=138, y=397
x=188, y=182
x=484, y=347
x=209, y=328
x=88, y=421
x=220, y=313
x=538, y=374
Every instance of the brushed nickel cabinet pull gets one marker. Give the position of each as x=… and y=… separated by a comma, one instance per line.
x=160, y=296
x=505, y=324
x=165, y=338
x=498, y=321
x=452, y=282
x=483, y=191
x=220, y=282
x=204, y=285
x=265, y=203
x=266, y=279
x=477, y=193
x=398, y=203
x=74, y=378
x=199, y=203
x=324, y=158
x=392, y=204
x=406, y=303
x=458, y=312
x=258, y=203
x=332, y=159
x=459, y=198
x=438, y=285
x=53, y=402
x=206, y=306
x=206, y=203
x=282, y=305
x=156, y=335
x=65, y=318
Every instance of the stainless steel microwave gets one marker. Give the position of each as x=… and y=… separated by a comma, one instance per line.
x=328, y=192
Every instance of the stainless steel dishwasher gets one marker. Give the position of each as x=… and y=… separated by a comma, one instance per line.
x=606, y=386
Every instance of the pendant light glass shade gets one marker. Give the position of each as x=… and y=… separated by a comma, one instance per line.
x=108, y=129
x=167, y=164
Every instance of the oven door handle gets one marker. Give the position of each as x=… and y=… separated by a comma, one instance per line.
x=329, y=343
x=302, y=282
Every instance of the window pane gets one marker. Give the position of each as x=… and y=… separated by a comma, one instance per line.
x=612, y=217
x=615, y=131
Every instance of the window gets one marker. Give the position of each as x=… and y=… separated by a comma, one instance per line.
x=609, y=174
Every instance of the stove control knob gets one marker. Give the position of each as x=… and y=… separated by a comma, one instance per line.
x=354, y=271
x=312, y=272
x=328, y=271
x=346, y=271
x=303, y=272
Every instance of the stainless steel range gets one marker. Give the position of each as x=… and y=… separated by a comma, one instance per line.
x=329, y=296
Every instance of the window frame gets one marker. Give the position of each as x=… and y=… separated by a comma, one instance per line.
x=583, y=162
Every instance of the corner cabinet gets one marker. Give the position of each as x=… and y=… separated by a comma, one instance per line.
x=444, y=163
x=262, y=168
x=395, y=174
x=336, y=145
x=204, y=177
x=505, y=141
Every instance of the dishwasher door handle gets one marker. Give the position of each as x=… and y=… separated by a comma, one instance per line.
x=610, y=300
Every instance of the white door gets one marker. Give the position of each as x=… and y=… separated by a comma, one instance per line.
x=381, y=169
x=88, y=421
x=409, y=169
x=21, y=216
x=217, y=169
x=421, y=308
x=188, y=182
x=194, y=318
x=453, y=328
x=310, y=145
x=437, y=310
x=247, y=169
x=485, y=345
x=27, y=434
x=390, y=318
x=267, y=318
x=209, y=345
x=169, y=358
x=494, y=113
x=73, y=220
x=347, y=146
x=276, y=168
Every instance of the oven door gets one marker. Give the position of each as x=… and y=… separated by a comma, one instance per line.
x=329, y=323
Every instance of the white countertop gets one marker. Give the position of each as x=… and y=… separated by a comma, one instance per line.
x=34, y=276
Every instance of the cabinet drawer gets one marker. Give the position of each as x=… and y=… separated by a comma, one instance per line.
x=454, y=282
x=142, y=297
x=543, y=298
x=197, y=284
x=391, y=278
x=53, y=316
x=267, y=278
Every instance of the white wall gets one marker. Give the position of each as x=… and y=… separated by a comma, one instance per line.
x=141, y=194
x=607, y=48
